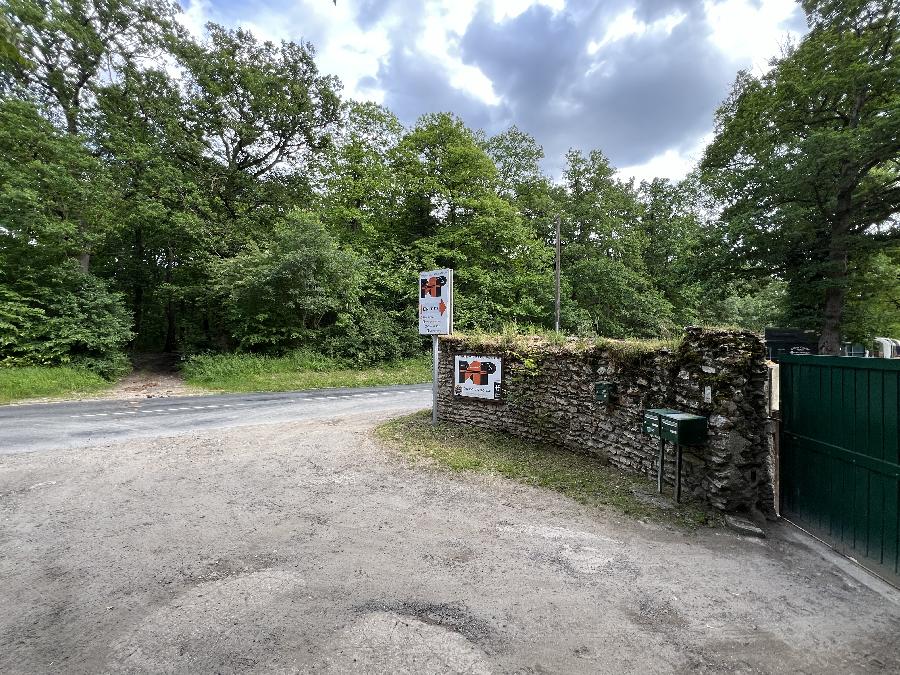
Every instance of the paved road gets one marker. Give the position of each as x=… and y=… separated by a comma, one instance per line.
x=44, y=426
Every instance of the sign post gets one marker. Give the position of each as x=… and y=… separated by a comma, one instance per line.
x=434, y=379
x=435, y=318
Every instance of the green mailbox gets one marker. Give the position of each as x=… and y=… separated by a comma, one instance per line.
x=651, y=420
x=683, y=428
x=604, y=391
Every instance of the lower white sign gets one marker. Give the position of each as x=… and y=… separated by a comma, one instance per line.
x=478, y=377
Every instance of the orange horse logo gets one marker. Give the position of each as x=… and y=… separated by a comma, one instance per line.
x=476, y=371
x=432, y=286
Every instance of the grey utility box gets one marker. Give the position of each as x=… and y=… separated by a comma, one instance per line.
x=683, y=428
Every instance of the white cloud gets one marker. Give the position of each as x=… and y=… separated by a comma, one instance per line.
x=750, y=31
x=443, y=26
x=510, y=9
x=672, y=164
x=626, y=25
x=194, y=17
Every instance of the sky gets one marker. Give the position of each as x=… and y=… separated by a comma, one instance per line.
x=639, y=80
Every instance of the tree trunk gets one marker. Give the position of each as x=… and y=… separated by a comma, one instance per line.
x=84, y=261
x=830, y=340
x=171, y=341
x=138, y=282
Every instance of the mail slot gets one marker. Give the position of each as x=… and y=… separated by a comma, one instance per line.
x=683, y=428
x=651, y=420
x=604, y=391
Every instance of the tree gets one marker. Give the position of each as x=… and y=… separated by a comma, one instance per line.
x=360, y=184
x=806, y=158
x=261, y=107
x=452, y=215
x=70, y=48
x=673, y=237
x=50, y=186
x=520, y=181
x=156, y=251
x=873, y=297
x=603, y=246
x=50, y=312
x=276, y=293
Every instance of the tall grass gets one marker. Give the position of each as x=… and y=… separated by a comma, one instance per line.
x=301, y=369
x=19, y=383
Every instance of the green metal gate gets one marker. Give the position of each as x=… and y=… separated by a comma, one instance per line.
x=840, y=454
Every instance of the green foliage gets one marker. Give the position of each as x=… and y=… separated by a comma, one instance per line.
x=66, y=317
x=752, y=306
x=53, y=193
x=70, y=46
x=300, y=369
x=369, y=335
x=276, y=293
x=29, y=382
x=873, y=299
x=236, y=203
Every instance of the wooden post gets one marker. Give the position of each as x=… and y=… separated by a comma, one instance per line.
x=558, y=266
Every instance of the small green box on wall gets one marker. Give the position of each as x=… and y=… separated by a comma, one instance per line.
x=683, y=428
x=651, y=420
x=604, y=391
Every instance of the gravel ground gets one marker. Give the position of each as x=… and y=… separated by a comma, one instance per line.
x=305, y=547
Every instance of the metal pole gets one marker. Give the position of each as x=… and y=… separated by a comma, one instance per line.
x=434, y=379
x=558, y=264
x=659, y=471
x=678, y=472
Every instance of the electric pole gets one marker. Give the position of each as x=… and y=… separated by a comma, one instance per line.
x=558, y=263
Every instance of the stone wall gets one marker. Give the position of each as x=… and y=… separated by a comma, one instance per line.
x=549, y=397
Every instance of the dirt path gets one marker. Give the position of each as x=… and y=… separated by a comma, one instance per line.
x=154, y=376
x=306, y=547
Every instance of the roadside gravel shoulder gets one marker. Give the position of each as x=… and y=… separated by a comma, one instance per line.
x=309, y=547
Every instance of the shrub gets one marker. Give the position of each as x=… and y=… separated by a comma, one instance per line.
x=68, y=318
x=372, y=335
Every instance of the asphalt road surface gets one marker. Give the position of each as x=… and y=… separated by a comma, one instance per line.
x=44, y=426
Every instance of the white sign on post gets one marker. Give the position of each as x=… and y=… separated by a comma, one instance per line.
x=436, y=302
x=435, y=318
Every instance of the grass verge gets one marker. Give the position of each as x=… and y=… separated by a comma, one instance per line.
x=26, y=382
x=583, y=478
x=298, y=370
